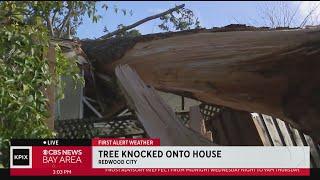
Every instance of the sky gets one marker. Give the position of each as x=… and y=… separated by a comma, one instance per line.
x=210, y=13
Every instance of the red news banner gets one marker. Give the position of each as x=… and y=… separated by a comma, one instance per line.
x=145, y=157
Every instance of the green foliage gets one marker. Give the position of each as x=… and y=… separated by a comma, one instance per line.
x=132, y=33
x=77, y=10
x=56, y=13
x=181, y=19
x=65, y=67
x=61, y=18
x=24, y=72
x=116, y=10
x=128, y=33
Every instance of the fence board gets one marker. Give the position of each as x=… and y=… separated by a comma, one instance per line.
x=272, y=130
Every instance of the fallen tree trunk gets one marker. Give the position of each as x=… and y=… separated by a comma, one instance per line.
x=271, y=72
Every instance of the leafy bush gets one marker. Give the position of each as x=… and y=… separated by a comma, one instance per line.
x=24, y=75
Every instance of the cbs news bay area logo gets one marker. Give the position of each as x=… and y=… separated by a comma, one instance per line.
x=62, y=156
x=21, y=157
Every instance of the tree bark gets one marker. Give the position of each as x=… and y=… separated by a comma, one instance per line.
x=125, y=28
x=270, y=72
x=65, y=20
x=50, y=91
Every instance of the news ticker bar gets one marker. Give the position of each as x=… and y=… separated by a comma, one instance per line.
x=114, y=157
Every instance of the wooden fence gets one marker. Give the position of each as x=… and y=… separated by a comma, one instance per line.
x=275, y=132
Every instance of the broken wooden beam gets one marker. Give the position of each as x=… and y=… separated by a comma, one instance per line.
x=156, y=116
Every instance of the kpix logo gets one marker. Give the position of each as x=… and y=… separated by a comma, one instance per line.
x=20, y=157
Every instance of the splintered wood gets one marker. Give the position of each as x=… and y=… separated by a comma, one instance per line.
x=157, y=117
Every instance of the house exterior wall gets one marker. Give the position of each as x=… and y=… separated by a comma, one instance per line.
x=71, y=106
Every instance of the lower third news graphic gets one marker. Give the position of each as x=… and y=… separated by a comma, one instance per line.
x=144, y=156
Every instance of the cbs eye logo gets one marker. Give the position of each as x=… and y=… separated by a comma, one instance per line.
x=21, y=157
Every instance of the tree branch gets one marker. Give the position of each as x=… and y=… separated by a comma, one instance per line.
x=125, y=28
x=69, y=30
x=54, y=17
x=305, y=20
x=65, y=21
x=49, y=26
x=294, y=14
